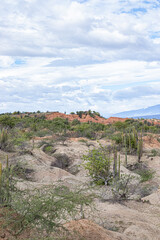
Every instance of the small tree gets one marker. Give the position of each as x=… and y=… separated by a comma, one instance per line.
x=7, y=121
x=98, y=163
x=75, y=122
x=43, y=208
x=121, y=188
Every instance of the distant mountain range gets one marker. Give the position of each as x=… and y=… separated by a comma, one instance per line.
x=147, y=113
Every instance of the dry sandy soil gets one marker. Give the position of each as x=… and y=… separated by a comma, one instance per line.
x=126, y=220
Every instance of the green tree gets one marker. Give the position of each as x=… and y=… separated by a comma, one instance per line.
x=7, y=121
x=98, y=163
x=75, y=122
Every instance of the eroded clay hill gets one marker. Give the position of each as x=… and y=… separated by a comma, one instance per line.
x=85, y=118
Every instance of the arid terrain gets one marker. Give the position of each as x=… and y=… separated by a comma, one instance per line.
x=49, y=160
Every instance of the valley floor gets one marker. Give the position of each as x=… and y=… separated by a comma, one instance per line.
x=137, y=218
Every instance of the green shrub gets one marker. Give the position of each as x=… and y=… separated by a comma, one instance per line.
x=75, y=122
x=82, y=140
x=146, y=175
x=19, y=140
x=98, y=163
x=43, y=133
x=120, y=125
x=62, y=161
x=117, y=138
x=121, y=188
x=146, y=190
x=154, y=152
x=48, y=149
x=44, y=209
x=8, y=121
x=59, y=125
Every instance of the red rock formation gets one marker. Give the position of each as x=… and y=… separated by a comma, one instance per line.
x=85, y=118
x=116, y=119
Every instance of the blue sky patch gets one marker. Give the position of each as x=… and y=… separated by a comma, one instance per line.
x=20, y=62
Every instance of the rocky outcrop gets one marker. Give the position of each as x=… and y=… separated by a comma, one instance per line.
x=85, y=118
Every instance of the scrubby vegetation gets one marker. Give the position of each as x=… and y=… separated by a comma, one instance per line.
x=23, y=127
x=98, y=162
x=46, y=208
x=42, y=208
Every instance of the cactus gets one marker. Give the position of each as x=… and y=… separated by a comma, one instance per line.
x=115, y=164
x=119, y=167
x=7, y=162
x=6, y=183
x=122, y=137
x=125, y=151
x=140, y=147
x=0, y=182
x=3, y=137
x=131, y=141
x=129, y=138
x=138, y=152
x=0, y=174
x=134, y=138
x=126, y=158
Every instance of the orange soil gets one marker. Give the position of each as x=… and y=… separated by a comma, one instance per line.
x=150, y=141
x=85, y=118
x=89, y=230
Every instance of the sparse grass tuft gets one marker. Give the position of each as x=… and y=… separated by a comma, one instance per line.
x=146, y=174
x=154, y=152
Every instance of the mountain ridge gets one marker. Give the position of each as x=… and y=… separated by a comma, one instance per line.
x=140, y=113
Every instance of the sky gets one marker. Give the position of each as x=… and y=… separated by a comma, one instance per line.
x=71, y=55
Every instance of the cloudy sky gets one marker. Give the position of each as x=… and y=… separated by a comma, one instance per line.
x=69, y=55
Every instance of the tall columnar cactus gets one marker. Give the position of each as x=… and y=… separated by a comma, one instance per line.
x=140, y=147
x=6, y=183
x=129, y=140
x=122, y=137
x=0, y=173
x=0, y=182
x=134, y=137
x=119, y=167
x=3, y=137
x=7, y=180
x=115, y=171
x=125, y=140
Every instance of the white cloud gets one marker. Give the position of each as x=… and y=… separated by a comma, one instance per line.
x=6, y=61
x=59, y=55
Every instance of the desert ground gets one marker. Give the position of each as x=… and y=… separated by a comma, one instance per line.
x=137, y=218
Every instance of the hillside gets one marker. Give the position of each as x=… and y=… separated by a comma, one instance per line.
x=61, y=166
x=84, y=118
